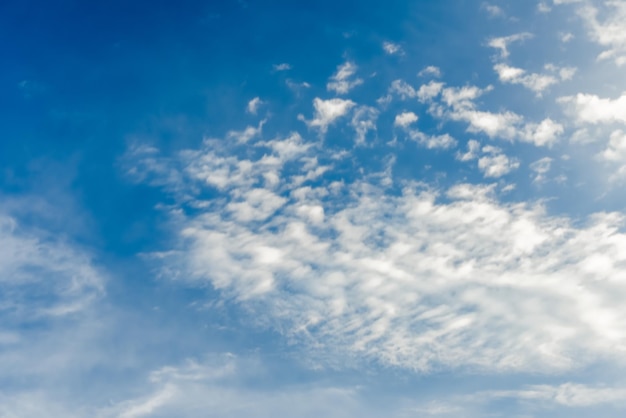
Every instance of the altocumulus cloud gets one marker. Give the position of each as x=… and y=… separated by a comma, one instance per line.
x=422, y=278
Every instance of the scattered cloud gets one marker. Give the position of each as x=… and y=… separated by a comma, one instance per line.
x=342, y=81
x=541, y=168
x=327, y=112
x=429, y=91
x=605, y=22
x=367, y=252
x=282, y=67
x=364, y=121
x=535, y=82
x=545, y=133
x=590, y=108
x=492, y=162
x=392, y=49
x=458, y=104
x=247, y=134
x=297, y=87
x=616, y=149
x=253, y=105
x=424, y=279
x=431, y=71
x=473, y=148
x=403, y=89
x=405, y=119
x=615, y=153
x=502, y=43
x=443, y=141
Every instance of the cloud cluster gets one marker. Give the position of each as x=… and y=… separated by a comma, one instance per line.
x=493, y=163
x=459, y=104
x=327, y=112
x=592, y=109
x=420, y=279
x=535, y=82
x=343, y=81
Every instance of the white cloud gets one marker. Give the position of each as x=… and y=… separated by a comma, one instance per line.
x=253, y=105
x=460, y=106
x=411, y=279
x=297, y=87
x=608, y=31
x=405, y=119
x=495, y=164
x=564, y=73
x=541, y=168
x=502, y=43
x=247, y=134
x=392, y=49
x=502, y=125
x=282, y=67
x=590, y=108
x=493, y=10
x=364, y=121
x=546, y=133
x=492, y=162
x=342, y=81
x=567, y=1
x=616, y=148
x=461, y=97
x=473, y=148
x=402, y=89
x=538, y=83
x=443, y=141
x=327, y=112
x=429, y=91
x=566, y=37
x=431, y=70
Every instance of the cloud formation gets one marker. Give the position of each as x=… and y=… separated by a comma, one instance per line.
x=423, y=279
x=343, y=81
x=327, y=112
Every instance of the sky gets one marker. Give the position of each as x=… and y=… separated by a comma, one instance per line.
x=338, y=208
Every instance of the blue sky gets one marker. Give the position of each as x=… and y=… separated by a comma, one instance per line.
x=259, y=208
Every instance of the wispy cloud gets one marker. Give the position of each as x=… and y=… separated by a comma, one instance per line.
x=282, y=67
x=605, y=25
x=502, y=43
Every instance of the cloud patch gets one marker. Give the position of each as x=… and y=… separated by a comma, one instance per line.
x=343, y=80
x=327, y=112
